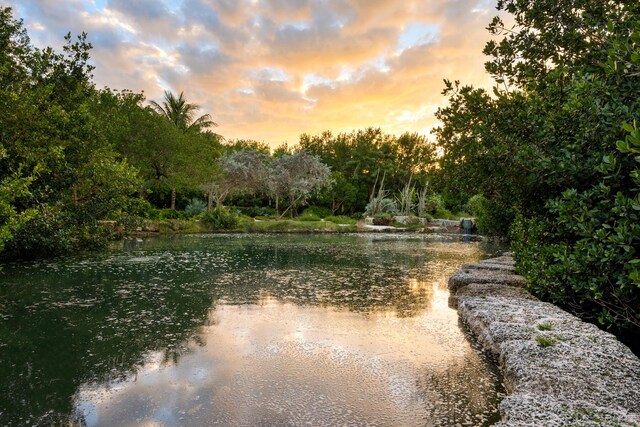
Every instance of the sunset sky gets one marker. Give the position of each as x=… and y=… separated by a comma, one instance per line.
x=272, y=69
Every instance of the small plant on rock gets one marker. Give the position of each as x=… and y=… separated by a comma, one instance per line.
x=545, y=326
x=545, y=341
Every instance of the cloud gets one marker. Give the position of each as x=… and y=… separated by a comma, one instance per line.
x=273, y=69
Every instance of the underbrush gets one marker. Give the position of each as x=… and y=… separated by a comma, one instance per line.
x=284, y=226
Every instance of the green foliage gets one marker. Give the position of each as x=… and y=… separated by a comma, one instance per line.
x=319, y=211
x=358, y=160
x=52, y=232
x=381, y=207
x=257, y=211
x=167, y=213
x=545, y=341
x=383, y=219
x=195, y=207
x=476, y=204
x=341, y=219
x=542, y=148
x=585, y=253
x=59, y=173
x=181, y=113
x=492, y=219
x=545, y=326
x=308, y=217
x=445, y=214
x=434, y=203
x=221, y=219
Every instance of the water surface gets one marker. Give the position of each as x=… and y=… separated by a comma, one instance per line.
x=243, y=330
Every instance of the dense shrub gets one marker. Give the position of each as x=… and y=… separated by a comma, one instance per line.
x=383, y=219
x=585, y=255
x=195, y=207
x=341, y=219
x=383, y=206
x=167, y=214
x=257, y=211
x=318, y=211
x=221, y=219
x=492, y=219
x=54, y=232
x=308, y=217
x=475, y=204
x=445, y=214
x=434, y=203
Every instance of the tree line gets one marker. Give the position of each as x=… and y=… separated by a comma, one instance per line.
x=73, y=155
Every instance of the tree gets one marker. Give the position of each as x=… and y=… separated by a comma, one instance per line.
x=240, y=172
x=357, y=157
x=554, y=35
x=59, y=173
x=550, y=149
x=182, y=113
x=294, y=177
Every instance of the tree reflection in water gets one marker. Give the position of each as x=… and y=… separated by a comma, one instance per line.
x=98, y=319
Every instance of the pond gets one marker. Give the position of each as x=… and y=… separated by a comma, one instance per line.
x=244, y=330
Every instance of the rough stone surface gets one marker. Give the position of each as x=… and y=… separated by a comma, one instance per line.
x=505, y=259
x=469, y=275
x=407, y=220
x=489, y=266
x=558, y=370
x=445, y=223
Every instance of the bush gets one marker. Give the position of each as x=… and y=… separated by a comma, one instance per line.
x=195, y=207
x=340, y=219
x=475, y=204
x=492, y=219
x=167, y=214
x=257, y=211
x=384, y=206
x=585, y=253
x=53, y=232
x=445, y=214
x=433, y=204
x=221, y=219
x=308, y=217
x=318, y=211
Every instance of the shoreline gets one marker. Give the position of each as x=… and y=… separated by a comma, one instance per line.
x=558, y=370
x=167, y=227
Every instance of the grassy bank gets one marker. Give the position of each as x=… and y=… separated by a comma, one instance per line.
x=251, y=225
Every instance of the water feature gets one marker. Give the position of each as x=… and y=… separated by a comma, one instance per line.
x=244, y=330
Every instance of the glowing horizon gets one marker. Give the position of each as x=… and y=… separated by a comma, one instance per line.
x=272, y=70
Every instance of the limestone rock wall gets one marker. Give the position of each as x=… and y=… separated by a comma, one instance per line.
x=558, y=370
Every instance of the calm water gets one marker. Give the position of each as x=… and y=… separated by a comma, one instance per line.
x=243, y=330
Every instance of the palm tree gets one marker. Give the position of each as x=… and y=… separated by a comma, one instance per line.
x=181, y=113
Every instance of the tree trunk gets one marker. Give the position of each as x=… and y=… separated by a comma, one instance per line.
x=173, y=199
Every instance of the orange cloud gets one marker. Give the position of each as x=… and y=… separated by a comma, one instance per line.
x=273, y=69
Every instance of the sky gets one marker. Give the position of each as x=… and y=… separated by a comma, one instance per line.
x=270, y=70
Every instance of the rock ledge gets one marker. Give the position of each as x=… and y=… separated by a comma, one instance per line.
x=558, y=370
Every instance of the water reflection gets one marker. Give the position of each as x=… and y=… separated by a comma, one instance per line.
x=241, y=330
